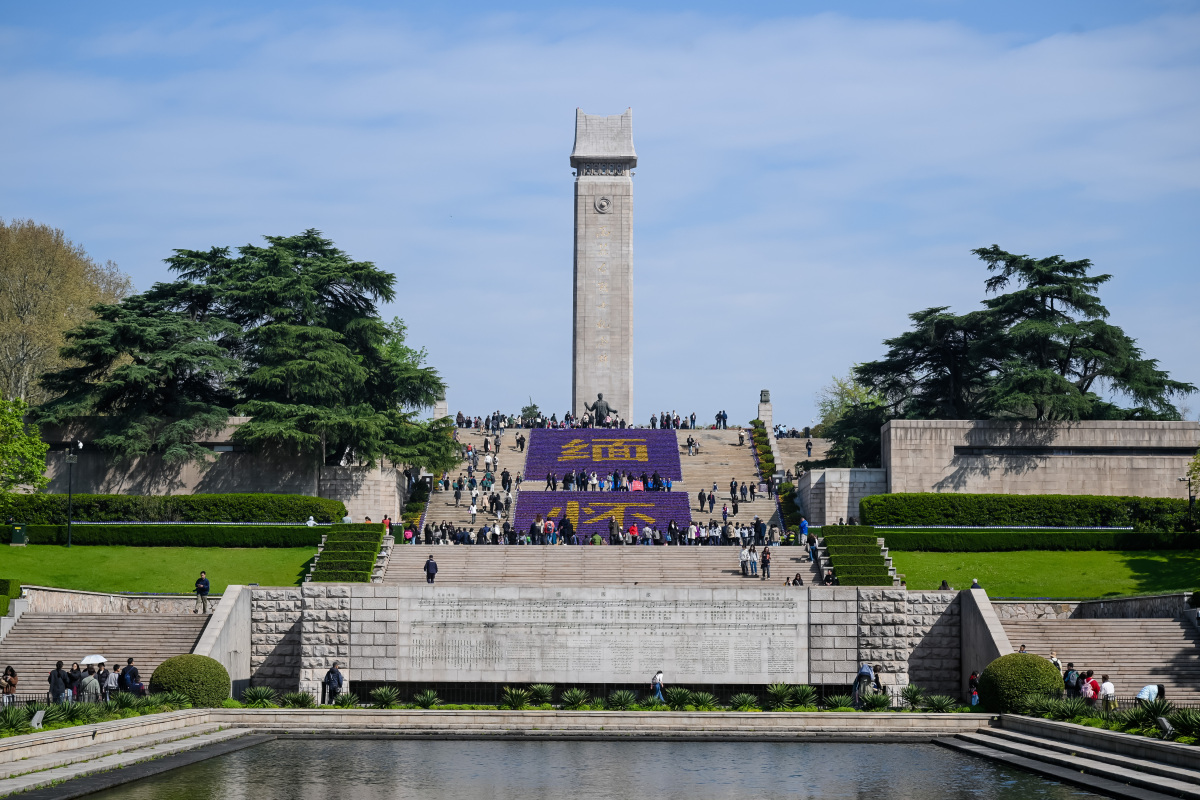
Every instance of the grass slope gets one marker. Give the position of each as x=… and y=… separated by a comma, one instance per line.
x=152, y=569
x=1054, y=573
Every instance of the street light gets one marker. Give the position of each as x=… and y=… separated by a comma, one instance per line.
x=72, y=458
x=1191, y=494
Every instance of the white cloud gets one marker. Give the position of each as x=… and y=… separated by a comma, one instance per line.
x=804, y=184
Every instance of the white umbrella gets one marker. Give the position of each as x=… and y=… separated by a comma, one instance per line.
x=97, y=659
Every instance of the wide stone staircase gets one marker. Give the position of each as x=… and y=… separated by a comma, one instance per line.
x=720, y=459
x=484, y=565
x=1133, y=652
x=793, y=450
x=441, y=504
x=37, y=640
x=1105, y=762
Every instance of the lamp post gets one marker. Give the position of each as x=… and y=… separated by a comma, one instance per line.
x=72, y=458
x=1191, y=494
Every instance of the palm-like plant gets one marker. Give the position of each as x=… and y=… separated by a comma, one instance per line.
x=839, y=701
x=121, y=700
x=941, y=704
x=704, y=701
x=804, y=696
x=514, y=699
x=877, y=702
x=385, y=697
x=176, y=700
x=346, y=700
x=620, y=700
x=259, y=697
x=678, y=698
x=913, y=696
x=780, y=697
x=297, y=700
x=744, y=701
x=541, y=693
x=1186, y=721
x=14, y=720
x=575, y=699
x=426, y=699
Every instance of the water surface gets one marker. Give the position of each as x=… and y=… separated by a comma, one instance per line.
x=454, y=770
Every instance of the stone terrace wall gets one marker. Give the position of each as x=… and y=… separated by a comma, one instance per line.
x=829, y=494
x=935, y=641
x=1161, y=606
x=275, y=638
x=883, y=633
x=324, y=633
x=1033, y=609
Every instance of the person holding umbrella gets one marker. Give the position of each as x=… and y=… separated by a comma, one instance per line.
x=98, y=661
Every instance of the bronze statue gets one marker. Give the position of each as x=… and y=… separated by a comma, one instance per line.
x=601, y=409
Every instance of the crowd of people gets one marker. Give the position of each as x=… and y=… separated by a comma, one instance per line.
x=87, y=683
x=561, y=531
x=497, y=422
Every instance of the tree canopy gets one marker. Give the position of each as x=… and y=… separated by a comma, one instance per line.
x=1041, y=348
x=48, y=285
x=287, y=334
x=22, y=451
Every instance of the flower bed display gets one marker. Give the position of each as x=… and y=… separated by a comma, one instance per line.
x=603, y=451
x=590, y=512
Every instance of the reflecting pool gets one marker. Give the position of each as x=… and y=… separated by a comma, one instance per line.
x=453, y=770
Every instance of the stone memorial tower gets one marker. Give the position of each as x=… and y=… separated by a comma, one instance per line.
x=602, y=352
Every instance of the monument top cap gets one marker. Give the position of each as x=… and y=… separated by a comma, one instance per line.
x=598, y=137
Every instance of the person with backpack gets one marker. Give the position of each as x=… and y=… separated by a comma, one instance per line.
x=656, y=685
x=973, y=687
x=1071, y=681
x=110, y=684
x=332, y=683
x=1089, y=688
x=131, y=680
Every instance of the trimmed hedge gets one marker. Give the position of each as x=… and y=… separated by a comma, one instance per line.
x=177, y=535
x=1054, y=510
x=203, y=679
x=853, y=550
x=10, y=589
x=330, y=576
x=354, y=563
x=51, y=509
x=1010, y=679
x=1005, y=541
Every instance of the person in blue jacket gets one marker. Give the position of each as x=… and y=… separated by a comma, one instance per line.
x=430, y=569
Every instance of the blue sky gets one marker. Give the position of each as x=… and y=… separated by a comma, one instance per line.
x=809, y=173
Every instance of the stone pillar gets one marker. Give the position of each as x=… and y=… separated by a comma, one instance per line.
x=602, y=350
x=764, y=411
x=275, y=638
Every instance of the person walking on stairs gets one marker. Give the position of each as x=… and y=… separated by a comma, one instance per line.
x=765, y=562
x=656, y=684
x=430, y=569
x=202, y=588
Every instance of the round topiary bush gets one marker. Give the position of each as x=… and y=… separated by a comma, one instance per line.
x=202, y=679
x=1010, y=679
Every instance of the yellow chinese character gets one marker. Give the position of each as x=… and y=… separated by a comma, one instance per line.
x=603, y=511
x=574, y=449
x=572, y=513
x=620, y=450
x=602, y=286
x=602, y=324
x=603, y=267
x=604, y=341
x=602, y=232
x=602, y=249
x=602, y=358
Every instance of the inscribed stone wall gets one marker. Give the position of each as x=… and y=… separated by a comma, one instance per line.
x=275, y=638
x=935, y=641
x=564, y=636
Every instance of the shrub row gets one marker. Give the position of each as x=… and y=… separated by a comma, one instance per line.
x=10, y=589
x=51, y=509
x=1054, y=510
x=354, y=563
x=853, y=550
x=178, y=535
x=996, y=541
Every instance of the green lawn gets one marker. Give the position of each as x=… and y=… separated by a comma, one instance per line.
x=1056, y=573
x=152, y=569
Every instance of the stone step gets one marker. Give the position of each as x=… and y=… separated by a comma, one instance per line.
x=1143, y=765
x=125, y=755
x=1083, y=764
x=1073, y=776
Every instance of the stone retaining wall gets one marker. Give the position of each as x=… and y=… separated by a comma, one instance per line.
x=935, y=641
x=1161, y=606
x=275, y=638
x=48, y=600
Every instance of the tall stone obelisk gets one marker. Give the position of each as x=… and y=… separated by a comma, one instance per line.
x=602, y=355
